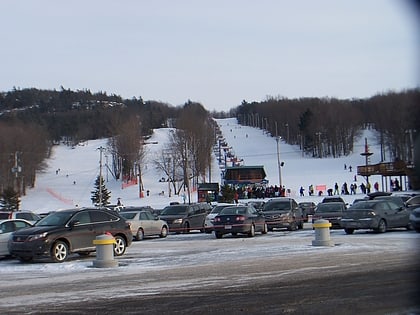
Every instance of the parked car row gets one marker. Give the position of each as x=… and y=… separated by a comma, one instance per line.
x=65, y=232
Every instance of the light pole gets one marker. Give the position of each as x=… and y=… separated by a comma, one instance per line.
x=278, y=159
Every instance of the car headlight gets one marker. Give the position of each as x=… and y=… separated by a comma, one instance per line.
x=178, y=221
x=37, y=236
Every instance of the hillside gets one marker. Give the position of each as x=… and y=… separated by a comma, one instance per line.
x=69, y=178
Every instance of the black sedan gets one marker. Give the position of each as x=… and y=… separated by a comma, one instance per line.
x=70, y=231
x=239, y=220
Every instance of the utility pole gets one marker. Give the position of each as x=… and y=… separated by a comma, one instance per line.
x=100, y=176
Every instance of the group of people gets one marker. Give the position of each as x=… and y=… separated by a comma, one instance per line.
x=260, y=191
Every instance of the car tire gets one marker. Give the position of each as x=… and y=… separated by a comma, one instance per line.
x=186, y=228
x=265, y=229
x=59, y=251
x=251, y=232
x=163, y=232
x=381, y=226
x=140, y=234
x=300, y=226
x=349, y=231
x=293, y=226
x=218, y=235
x=120, y=245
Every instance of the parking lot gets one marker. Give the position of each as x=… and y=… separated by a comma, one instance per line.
x=221, y=271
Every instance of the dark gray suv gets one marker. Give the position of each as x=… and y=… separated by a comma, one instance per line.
x=70, y=231
x=283, y=213
x=182, y=218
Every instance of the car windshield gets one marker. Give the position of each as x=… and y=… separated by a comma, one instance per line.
x=174, y=210
x=283, y=206
x=329, y=207
x=56, y=218
x=128, y=215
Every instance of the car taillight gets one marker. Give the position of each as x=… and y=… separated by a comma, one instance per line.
x=217, y=219
x=240, y=218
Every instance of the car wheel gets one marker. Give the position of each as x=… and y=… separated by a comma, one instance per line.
x=381, y=226
x=163, y=232
x=293, y=226
x=349, y=231
x=140, y=234
x=59, y=251
x=265, y=229
x=218, y=234
x=417, y=230
x=252, y=231
x=120, y=246
x=186, y=228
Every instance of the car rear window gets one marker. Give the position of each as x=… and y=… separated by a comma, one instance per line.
x=4, y=215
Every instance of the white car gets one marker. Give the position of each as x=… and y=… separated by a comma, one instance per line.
x=208, y=222
x=20, y=214
x=143, y=223
x=7, y=227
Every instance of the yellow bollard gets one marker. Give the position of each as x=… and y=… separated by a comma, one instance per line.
x=105, y=251
x=322, y=233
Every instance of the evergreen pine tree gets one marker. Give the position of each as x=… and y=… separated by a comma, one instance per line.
x=9, y=200
x=100, y=188
x=227, y=194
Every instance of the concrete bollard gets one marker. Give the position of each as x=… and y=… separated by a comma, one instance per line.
x=105, y=251
x=322, y=233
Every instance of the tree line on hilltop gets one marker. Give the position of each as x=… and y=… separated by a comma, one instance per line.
x=33, y=120
x=327, y=127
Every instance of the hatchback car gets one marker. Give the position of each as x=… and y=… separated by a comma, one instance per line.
x=208, y=222
x=144, y=223
x=283, y=213
x=377, y=214
x=239, y=219
x=182, y=218
x=331, y=211
x=70, y=231
x=7, y=227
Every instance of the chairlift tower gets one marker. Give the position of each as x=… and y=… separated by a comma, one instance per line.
x=367, y=155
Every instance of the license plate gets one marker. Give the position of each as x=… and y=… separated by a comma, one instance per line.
x=228, y=227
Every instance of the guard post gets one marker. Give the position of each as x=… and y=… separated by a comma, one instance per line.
x=105, y=251
x=322, y=233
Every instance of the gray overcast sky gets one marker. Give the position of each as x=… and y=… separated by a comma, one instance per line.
x=216, y=52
